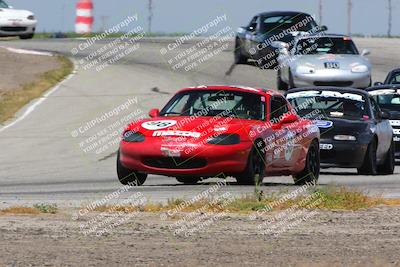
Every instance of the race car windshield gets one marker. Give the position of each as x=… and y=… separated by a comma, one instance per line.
x=388, y=101
x=3, y=4
x=277, y=24
x=326, y=45
x=314, y=107
x=208, y=103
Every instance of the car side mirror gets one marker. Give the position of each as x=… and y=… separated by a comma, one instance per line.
x=385, y=115
x=378, y=83
x=323, y=28
x=284, y=52
x=155, y=112
x=289, y=118
x=252, y=28
x=282, y=47
x=365, y=52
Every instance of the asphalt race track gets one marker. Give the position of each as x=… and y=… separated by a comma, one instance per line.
x=40, y=160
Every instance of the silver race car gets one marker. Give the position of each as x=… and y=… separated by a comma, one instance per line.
x=322, y=60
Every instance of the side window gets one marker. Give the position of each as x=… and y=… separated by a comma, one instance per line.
x=375, y=108
x=278, y=108
x=395, y=79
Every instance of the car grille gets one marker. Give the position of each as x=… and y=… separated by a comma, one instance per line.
x=339, y=84
x=13, y=29
x=175, y=163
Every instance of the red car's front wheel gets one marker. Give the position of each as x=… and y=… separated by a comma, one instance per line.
x=310, y=173
x=129, y=177
x=188, y=180
x=255, y=168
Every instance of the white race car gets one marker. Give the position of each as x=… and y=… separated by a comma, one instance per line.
x=323, y=60
x=16, y=22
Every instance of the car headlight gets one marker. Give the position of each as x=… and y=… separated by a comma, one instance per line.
x=31, y=17
x=345, y=138
x=224, y=139
x=305, y=70
x=359, y=69
x=134, y=137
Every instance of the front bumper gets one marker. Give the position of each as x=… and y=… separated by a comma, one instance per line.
x=344, y=154
x=154, y=157
x=17, y=29
x=340, y=78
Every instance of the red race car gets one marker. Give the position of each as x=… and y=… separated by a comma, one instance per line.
x=220, y=131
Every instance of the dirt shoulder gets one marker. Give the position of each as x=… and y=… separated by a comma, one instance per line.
x=20, y=69
x=25, y=77
x=327, y=238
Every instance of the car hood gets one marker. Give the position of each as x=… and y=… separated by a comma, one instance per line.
x=393, y=115
x=287, y=38
x=10, y=13
x=191, y=127
x=347, y=62
x=329, y=127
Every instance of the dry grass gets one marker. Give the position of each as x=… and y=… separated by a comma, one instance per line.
x=328, y=198
x=19, y=210
x=36, y=209
x=12, y=101
x=391, y=202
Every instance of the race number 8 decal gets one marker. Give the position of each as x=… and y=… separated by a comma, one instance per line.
x=157, y=125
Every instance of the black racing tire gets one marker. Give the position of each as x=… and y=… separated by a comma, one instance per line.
x=129, y=177
x=238, y=55
x=255, y=167
x=389, y=164
x=282, y=86
x=291, y=82
x=369, y=166
x=260, y=61
x=26, y=36
x=188, y=180
x=310, y=173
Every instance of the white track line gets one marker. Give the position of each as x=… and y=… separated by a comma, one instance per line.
x=34, y=105
x=27, y=52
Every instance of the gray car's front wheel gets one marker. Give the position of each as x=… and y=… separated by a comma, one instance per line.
x=239, y=57
x=291, y=81
x=282, y=86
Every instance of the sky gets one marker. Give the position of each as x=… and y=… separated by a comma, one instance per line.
x=369, y=16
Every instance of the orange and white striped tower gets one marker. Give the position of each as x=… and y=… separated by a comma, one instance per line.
x=84, y=16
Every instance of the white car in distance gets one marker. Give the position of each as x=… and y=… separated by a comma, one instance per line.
x=16, y=22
